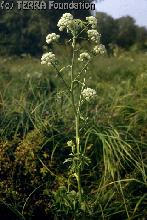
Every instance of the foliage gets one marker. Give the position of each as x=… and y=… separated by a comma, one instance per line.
x=122, y=31
x=19, y=30
x=114, y=139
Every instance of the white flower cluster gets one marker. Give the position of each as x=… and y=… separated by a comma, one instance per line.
x=84, y=57
x=48, y=58
x=52, y=37
x=92, y=21
x=94, y=35
x=99, y=49
x=89, y=94
x=65, y=21
x=70, y=143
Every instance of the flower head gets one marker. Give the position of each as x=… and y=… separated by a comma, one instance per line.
x=92, y=21
x=52, y=37
x=94, y=36
x=65, y=21
x=70, y=143
x=84, y=57
x=99, y=49
x=88, y=94
x=48, y=58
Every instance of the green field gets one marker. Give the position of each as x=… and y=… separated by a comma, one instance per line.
x=36, y=121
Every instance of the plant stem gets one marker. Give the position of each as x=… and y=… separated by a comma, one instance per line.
x=78, y=152
x=60, y=75
x=82, y=70
x=77, y=133
x=72, y=71
x=76, y=112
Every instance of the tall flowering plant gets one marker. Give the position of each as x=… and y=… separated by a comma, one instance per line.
x=76, y=27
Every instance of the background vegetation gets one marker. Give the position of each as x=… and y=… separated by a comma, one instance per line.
x=24, y=31
x=36, y=121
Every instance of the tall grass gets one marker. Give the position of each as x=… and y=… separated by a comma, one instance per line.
x=36, y=121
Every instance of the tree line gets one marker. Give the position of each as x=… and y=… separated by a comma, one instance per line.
x=122, y=31
x=24, y=31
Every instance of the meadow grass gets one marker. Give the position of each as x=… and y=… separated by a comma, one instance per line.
x=36, y=121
